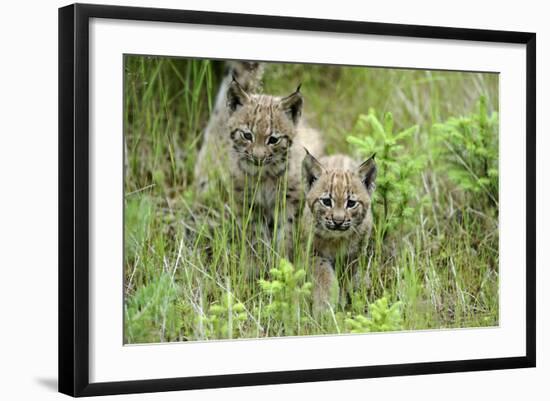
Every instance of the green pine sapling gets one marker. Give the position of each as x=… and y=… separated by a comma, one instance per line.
x=382, y=317
x=468, y=147
x=286, y=290
x=224, y=319
x=398, y=170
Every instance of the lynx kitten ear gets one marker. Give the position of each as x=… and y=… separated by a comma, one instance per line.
x=367, y=174
x=292, y=105
x=311, y=170
x=236, y=96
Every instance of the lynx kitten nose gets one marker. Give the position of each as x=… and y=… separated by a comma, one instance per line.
x=338, y=218
x=259, y=154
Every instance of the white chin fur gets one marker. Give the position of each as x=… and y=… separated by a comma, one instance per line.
x=328, y=233
x=249, y=168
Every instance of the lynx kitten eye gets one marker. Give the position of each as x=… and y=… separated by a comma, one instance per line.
x=351, y=204
x=326, y=202
x=247, y=136
x=273, y=140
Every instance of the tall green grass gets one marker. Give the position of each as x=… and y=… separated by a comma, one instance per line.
x=194, y=270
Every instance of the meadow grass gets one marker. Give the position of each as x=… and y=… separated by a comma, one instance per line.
x=195, y=271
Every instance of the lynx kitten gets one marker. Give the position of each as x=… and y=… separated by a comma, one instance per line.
x=256, y=147
x=338, y=213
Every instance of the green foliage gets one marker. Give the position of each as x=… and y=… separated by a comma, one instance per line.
x=154, y=310
x=469, y=148
x=399, y=170
x=286, y=291
x=137, y=218
x=165, y=97
x=225, y=318
x=382, y=317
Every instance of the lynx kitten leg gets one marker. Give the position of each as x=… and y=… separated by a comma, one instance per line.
x=325, y=291
x=288, y=230
x=286, y=227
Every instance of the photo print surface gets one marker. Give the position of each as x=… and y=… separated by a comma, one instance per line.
x=270, y=199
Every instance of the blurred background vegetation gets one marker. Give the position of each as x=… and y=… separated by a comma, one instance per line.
x=434, y=259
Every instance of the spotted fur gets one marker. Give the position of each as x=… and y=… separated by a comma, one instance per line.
x=256, y=145
x=338, y=213
x=250, y=75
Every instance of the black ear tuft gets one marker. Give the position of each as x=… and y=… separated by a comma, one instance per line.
x=292, y=105
x=367, y=173
x=311, y=180
x=236, y=95
x=311, y=170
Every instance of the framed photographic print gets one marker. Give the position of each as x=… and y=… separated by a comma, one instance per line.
x=249, y=199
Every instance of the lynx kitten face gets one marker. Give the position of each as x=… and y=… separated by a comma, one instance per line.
x=339, y=195
x=262, y=129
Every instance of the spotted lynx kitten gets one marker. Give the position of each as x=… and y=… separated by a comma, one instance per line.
x=249, y=74
x=338, y=213
x=256, y=143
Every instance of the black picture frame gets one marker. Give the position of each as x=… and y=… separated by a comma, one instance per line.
x=74, y=200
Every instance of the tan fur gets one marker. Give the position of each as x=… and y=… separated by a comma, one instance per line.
x=338, y=213
x=249, y=75
x=255, y=145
